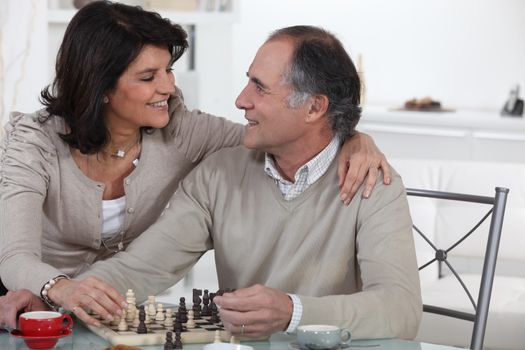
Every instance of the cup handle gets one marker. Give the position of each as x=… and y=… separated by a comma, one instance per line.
x=69, y=321
x=346, y=336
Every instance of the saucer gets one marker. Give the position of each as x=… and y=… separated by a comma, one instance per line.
x=40, y=343
x=295, y=346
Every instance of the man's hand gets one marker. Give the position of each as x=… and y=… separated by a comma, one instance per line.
x=88, y=294
x=13, y=302
x=255, y=312
x=360, y=157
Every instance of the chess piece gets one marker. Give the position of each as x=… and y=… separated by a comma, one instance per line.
x=141, y=329
x=136, y=320
x=116, y=320
x=182, y=310
x=168, y=322
x=214, y=314
x=132, y=309
x=159, y=316
x=178, y=341
x=205, y=304
x=217, y=337
x=197, y=302
x=177, y=326
x=122, y=326
x=234, y=340
x=169, y=342
x=148, y=318
x=152, y=310
x=191, y=320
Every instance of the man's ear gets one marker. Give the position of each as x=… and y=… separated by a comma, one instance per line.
x=318, y=107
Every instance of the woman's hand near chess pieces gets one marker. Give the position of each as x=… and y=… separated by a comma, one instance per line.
x=15, y=302
x=255, y=312
x=91, y=294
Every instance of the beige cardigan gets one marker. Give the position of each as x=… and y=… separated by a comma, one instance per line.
x=51, y=213
x=351, y=266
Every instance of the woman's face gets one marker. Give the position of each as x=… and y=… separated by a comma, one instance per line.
x=141, y=95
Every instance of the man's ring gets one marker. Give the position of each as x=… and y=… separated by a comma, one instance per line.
x=242, y=329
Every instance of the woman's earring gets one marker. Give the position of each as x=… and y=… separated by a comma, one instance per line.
x=106, y=99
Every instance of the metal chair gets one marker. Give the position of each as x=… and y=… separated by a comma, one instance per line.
x=496, y=213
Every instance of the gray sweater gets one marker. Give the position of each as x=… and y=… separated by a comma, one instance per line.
x=51, y=213
x=351, y=266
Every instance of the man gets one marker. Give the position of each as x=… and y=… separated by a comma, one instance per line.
x=271, y=212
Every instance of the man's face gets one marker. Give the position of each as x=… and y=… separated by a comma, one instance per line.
x=273, y=126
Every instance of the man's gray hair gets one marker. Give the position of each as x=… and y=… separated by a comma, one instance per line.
x=321, y=66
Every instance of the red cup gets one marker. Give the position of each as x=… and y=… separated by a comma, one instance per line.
x=44, y=323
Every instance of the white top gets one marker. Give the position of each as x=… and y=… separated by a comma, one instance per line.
x=113, y=216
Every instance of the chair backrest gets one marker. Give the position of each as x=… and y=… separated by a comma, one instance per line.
x=496, y=213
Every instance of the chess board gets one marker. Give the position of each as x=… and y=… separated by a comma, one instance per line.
x=204, y=332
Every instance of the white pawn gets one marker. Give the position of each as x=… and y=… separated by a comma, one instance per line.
x=152, y=311
x=123, y=326
x=136, y=320
x=234, y=340
x=116, y=320
x=191, y=320
x=130, y=312
x=147, y=320
x=217, y=337
x=129, y=295
x=168, y=322
x=159, y=317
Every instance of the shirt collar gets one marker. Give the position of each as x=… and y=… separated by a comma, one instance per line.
x=315, y=167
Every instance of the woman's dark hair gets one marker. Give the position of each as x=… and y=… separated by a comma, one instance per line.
x=101, y=40
x=321, y=65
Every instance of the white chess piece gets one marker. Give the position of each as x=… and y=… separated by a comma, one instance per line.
x=116, y=320
x=191, y=320
x=234, y=340
x=151, y=311
x=147, y=320
x=129, y=295
x=122, y=326
x=136, y=320
x=217, y=337
x=168, y=322
x=159, y=317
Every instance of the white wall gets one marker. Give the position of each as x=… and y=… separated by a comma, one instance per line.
x=23, y=60
x=467, y=54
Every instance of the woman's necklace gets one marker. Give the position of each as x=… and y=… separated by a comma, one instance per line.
x=121, y=152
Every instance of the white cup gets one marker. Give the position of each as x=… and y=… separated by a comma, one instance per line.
x=317, y=337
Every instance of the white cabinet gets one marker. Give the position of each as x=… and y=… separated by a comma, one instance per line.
x=207, y=27
x=460, y=135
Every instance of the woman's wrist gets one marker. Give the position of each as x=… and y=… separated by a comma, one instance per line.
x=48, y=291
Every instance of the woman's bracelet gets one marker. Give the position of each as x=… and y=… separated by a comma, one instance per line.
x=45, y=290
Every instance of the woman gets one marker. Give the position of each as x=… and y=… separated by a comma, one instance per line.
x=83, y=177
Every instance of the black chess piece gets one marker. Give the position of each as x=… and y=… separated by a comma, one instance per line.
x=183, y=311
x=169, y=342
x=197, y=302
x=214, y=314
x=177, y=325
x=142, y=329
x=205, y=304
x=178, y=341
